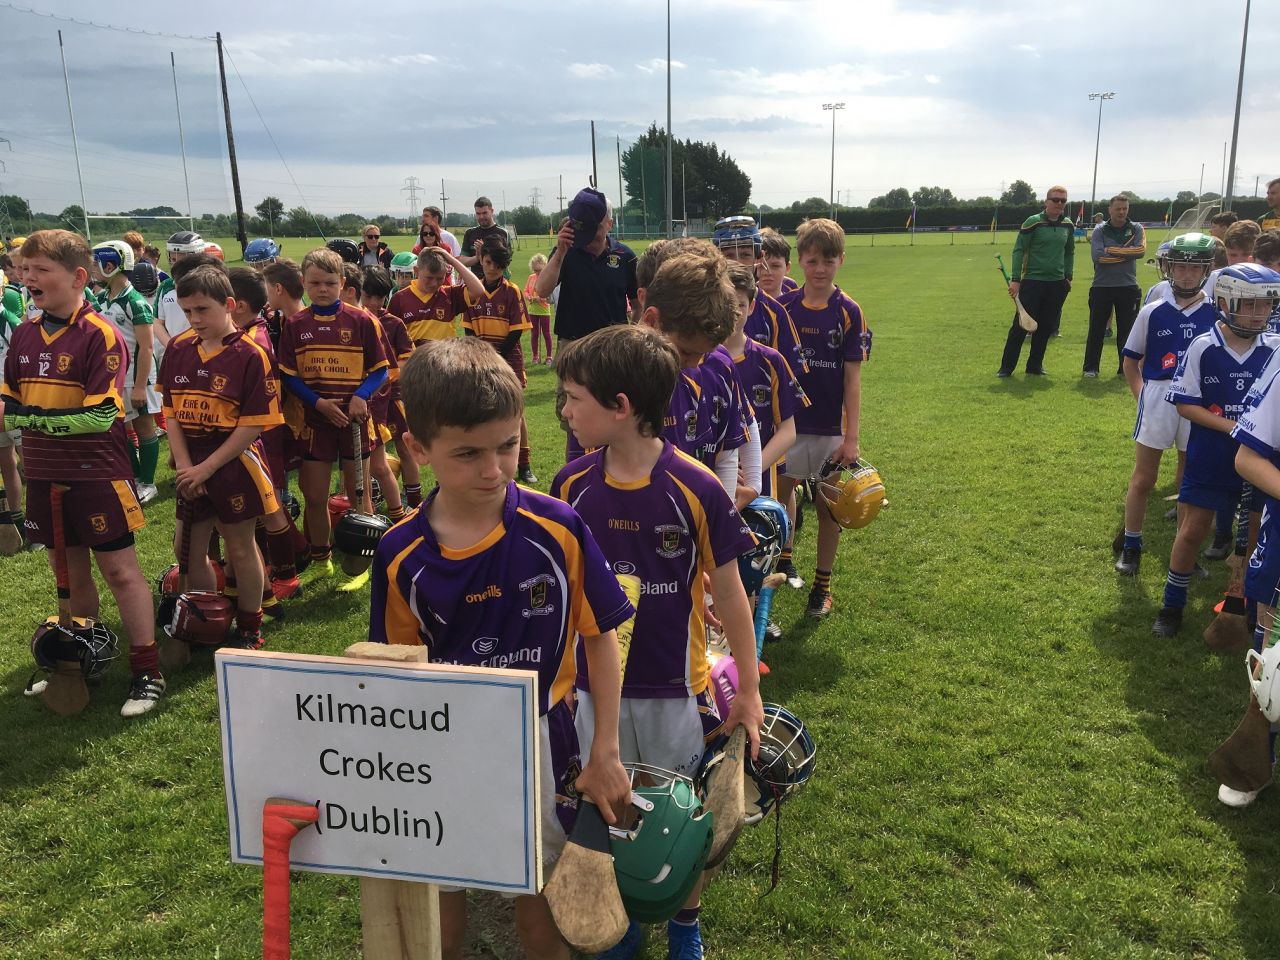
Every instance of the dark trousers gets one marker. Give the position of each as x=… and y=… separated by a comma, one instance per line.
x=1102, y=300
x=1042, y=299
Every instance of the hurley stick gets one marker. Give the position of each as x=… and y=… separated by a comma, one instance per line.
x=725, y=797
x=176, y=653
x=282, y=820
x=10, y=535
x=400, y=920
x=66, y=692
x=1243, y=762
x=1229, y=632
x=354, y=566
x=1025, y=320
x=583, y=890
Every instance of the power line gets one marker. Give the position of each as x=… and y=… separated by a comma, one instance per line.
x=411, y=187
x=138, y=31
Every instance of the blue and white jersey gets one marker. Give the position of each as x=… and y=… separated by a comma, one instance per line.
x=1162, y=333
x=1214, y=376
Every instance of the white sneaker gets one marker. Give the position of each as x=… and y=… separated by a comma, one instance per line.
x=1236, y=798
x=34, y=687
x=147, y=492
x=144, y=694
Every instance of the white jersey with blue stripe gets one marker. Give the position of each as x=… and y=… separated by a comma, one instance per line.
x=1163, y=331
x=1212, y=375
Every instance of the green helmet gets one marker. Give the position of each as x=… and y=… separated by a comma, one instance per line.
x=1197, y=248
x=403, y=262
x=660, y=857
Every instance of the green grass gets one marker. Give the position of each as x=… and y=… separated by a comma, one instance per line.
x=1009, y=766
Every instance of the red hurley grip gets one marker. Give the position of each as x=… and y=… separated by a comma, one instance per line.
x=278, y=831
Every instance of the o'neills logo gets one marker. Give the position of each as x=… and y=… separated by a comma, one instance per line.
x=491, y=592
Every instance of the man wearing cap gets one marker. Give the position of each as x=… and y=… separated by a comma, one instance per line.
x=482, y=231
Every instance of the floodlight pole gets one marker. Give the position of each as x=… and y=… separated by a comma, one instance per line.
x=182, y=143
x=1097, y=143
x=669, y=171
x=833, y=107
x=621, y=205
x=1235, y=126
x=75, y=143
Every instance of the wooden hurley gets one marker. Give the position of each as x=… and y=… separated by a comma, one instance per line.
x=66, y=693
x=583, y=890
x=1243, y=762
x=400, y=919
x=725, y=797
x=175, y=654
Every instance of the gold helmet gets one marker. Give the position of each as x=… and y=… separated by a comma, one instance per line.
x=854, y=495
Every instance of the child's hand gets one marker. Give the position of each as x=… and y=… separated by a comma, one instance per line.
x=748, y=711
x=605, y=783
x=331, y=410
x=358, y=409
x=848, y=452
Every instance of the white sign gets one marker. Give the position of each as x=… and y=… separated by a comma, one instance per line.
x=420, y=771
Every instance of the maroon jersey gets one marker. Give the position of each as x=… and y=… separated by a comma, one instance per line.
x=331, y=353
x=81, y=365
x=211, y=394
x=495, y=315
x=397, y=345
x=428, y=318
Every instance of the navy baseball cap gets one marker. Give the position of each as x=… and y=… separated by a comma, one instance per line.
x=586, y=212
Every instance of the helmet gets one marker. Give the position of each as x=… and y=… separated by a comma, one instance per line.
x=1266, y=683
x=145, y=277
x=1162, y=253
x=167, y=582
x=87, y=641
x=768, y=520
x=293, y=506
x=185, y=241
x=784, y=764
x=1195, y=248
x=724, y=681
x=346, y=249
x=112, y=256
x=854, y=500
x=659, y=853
x=338, y=505
x=403, y=262
x=214, y=250
x=737, y=231
x=356, y=535
x=201, y=618
x=262, y=250
x=17, y=242
x=1246, y=281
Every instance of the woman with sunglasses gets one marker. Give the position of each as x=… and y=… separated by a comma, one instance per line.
x=373, y=252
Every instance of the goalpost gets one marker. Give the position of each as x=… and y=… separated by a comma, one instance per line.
x=1198, y=217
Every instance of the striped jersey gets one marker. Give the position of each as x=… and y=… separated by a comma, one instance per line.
x=831, y=334
x=770, y=324
x=495, y=315
x=517, y=599
x=769, y=386
x=333, y=352
x=126, y=310
x=428, y=318
x=706, y=413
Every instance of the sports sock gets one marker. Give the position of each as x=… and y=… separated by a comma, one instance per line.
x=413, y=494
x=134, y=462
x=148, y=457
x=821, y=581
x=395, y=514
x=785, y=556
x=524, y=457
x=1222, y=522
x=1133, y=540
x=249, y=620
x=280, y=550
x=1175, y=589
x=321, y=554
x=260, y=538
x=687, y=917
x=1259, y=638
x=144, y=660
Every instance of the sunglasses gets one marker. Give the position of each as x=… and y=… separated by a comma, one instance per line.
x=372, y=236
x=1057, y=199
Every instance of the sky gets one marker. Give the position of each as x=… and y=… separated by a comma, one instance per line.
x=335, y=105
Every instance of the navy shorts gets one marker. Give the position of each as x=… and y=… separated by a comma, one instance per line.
x=1263, y=573
x=1212, y=496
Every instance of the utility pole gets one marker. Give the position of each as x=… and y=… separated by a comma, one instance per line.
x=443, y=200
x=231, y=152
x=411, y=187
x=1235, y=126
x=561, y=196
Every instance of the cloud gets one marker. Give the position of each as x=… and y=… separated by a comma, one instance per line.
x=932, y=78
x=589, y=71
x=405, y=59
x=658, y=64
x=1027, y=48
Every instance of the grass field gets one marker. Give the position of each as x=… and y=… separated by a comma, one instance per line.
x=1010, y=765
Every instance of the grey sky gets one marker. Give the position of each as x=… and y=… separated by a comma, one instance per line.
x=497, y=97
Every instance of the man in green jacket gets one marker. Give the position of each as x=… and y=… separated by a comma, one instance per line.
x=1043, y=260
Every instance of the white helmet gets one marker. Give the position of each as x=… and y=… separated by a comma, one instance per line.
x=112, y=257
x=1266, y=685
x=185, y=241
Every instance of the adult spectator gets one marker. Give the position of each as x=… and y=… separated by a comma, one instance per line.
x=434, y=216
x=373, y=252
x=1220, y=223
x=1117, y=244
x=1271, y=219
x=596, y=274
x=485, y=229
x=1041, y=271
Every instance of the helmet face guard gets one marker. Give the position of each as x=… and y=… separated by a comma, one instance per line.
x=1246, y=284
x=346, y=249
x=740, y=231
x=261, y=250
x=201, y=618
x=855, y=499
x=1196, y=248
x=145, y=277
x=784, y=765
x=86, y=641
x=771, y=526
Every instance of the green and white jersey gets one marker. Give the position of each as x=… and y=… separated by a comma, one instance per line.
x=126, y=310
x=167, y=310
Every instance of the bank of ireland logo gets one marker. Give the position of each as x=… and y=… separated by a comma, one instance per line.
x=484, y=646
x=538, y=596
x=624, y=567
x=669, y=541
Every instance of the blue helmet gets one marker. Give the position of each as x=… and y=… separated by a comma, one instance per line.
x=768, y=521
x=262, y=250
x=736, y=232
x=1246, y=281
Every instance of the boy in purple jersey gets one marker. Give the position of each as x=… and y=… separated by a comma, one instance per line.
x=835, y=341
x=662, y=517
x=64, y=378
x=1209, y=390
x=1160, y=335
x=489, y=573
x=775, y=262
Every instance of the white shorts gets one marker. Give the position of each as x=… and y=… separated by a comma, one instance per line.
x=153, y=403
x=806, y=455
x=553, y=835
x=1159, y=425
x=664, y=732
x=10, y=438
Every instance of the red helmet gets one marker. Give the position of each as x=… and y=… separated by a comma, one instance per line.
x=202, y=618
x=86, y=641
x=338, y=505
x=168, y=581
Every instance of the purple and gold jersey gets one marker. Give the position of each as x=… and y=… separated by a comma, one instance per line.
x=706, y=412
x=495, y=315
x=666, y=530
x=516, y=599
x=831, y=335
x=1212, y=376
x=770, y=387
x=428, y=318
x=332, y=353
x=81, y=365
x=770, y=324
x=212, y=393
x=1163, y=331
x=789, y=284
